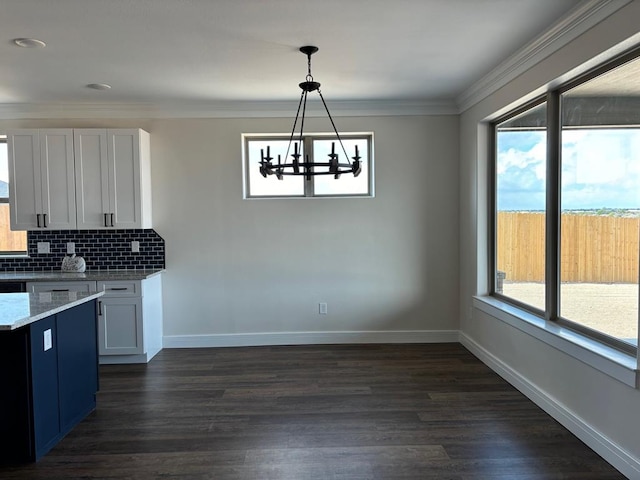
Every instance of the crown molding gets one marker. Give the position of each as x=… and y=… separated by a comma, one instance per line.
x=228, y=109
x=574, y=24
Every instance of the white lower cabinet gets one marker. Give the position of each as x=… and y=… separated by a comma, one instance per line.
x=120, y=329
x=129, y=316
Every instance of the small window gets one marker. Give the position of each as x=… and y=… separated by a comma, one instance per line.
x=11, y=243
x=318, y=148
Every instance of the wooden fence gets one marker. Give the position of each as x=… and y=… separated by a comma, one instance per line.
x=595, y=249
x=10, y=241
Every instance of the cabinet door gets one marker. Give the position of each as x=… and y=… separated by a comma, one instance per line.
x=77, y=363
x=92, y=178
x=58, y=179
x=44, y=384
x=25, y=180
x=42, y=184
x=124, y=174
x=120, y=326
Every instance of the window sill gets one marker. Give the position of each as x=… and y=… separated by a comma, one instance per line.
x=616, y=364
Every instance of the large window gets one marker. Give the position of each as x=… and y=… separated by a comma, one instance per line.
x=317, y=147
x=11, y=243
x=567, y=205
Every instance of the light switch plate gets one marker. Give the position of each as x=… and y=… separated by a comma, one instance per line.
x=43, y=247
x=135, y=246
x=71, y=247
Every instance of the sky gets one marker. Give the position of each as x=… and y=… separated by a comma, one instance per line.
x=600, y=169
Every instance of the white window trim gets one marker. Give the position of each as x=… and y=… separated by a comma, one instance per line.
x=619, y=365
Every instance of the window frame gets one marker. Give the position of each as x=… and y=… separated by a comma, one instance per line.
x=307, y=139
x=551, y=315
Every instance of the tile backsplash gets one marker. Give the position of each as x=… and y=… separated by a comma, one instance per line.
x=101, y=250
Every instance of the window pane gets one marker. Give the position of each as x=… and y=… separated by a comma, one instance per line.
x=600, y=216
x=271, y=186
x=520, y=200
x=347, y=184
x=10, y=242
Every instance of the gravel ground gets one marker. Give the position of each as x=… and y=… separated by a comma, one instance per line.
x=610, y=308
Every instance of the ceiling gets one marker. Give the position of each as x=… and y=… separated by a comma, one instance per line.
x=211, y=51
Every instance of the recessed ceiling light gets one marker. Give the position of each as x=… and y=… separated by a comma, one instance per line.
x=99, y=86
x=29, y=43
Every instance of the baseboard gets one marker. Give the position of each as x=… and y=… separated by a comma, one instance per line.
x=310, y=338
x=620, y=459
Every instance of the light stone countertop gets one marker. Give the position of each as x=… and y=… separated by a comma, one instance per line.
x=20, y=309
x=58, y=276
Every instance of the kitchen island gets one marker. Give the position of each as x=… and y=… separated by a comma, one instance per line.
x=48, y=369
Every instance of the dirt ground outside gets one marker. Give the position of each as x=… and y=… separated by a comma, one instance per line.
x=609, y=308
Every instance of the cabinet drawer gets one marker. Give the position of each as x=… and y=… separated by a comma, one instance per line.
x=41, y=287
x=116, y=288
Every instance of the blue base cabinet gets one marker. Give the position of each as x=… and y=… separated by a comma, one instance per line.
x=49, y=378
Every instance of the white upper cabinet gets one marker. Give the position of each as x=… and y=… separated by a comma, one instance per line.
x=41, y=179
x=84, y=178
x=113, y=178
x=92, y=178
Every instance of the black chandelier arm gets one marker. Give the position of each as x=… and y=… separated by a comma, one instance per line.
x=334, y=126
x=293, y=130
x=304, y=111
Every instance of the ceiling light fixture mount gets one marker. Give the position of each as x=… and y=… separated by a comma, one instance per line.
x=29, y=43
x=306, y=167
x=99, y=86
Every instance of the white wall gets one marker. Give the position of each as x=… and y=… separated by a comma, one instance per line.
x=602, y=411
x=237, y=269
x=239, y=266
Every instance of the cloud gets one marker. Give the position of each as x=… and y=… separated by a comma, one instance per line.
x=521, y=170
x=600, y=168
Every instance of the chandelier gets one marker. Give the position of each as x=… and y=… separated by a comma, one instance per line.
x=308, y=168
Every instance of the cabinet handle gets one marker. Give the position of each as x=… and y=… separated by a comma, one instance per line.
x=44, y=223
x=105, y=220
x=117, y=288
x=112, y=219
x=99, y=308
x=38, y=219
x=60, y=290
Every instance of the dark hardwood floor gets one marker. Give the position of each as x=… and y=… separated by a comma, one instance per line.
x=337, y=412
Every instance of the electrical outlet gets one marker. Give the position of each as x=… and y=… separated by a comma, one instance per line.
x=71, y=247
x=43, y=247
x=47, y=340
x=322, y=308
x=135, y=246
